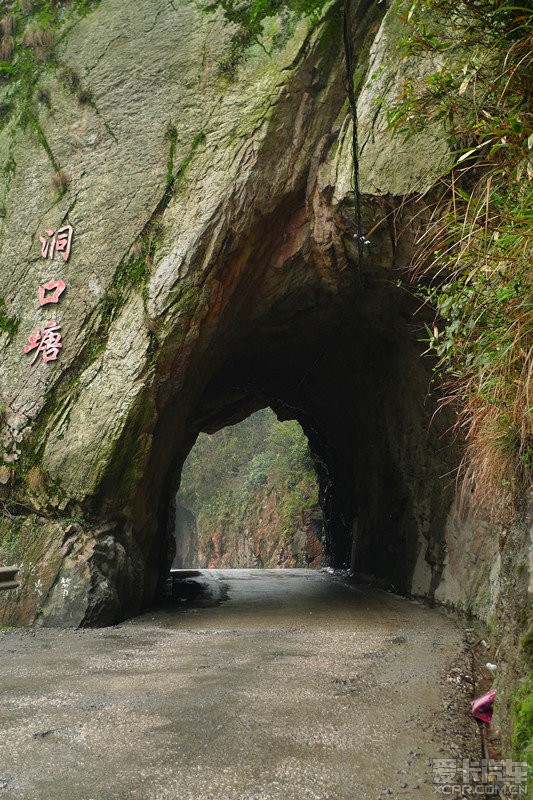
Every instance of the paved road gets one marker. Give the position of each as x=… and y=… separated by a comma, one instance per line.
x=278, y=684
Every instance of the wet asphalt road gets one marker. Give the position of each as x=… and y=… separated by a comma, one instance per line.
x=295, y=686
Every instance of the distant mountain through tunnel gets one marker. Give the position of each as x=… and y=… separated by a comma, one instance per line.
x=249, y=498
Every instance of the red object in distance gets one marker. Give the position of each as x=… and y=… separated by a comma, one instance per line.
x=482, y=708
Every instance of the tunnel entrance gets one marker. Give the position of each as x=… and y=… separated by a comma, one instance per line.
x=344, y=362
x=347, y=367
x=249, y=498
x=234, y=295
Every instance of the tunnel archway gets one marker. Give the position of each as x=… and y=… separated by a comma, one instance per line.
x=344, y=360
x=237, y=285
x=283, y=316
x=214, y=270
x=248, y=499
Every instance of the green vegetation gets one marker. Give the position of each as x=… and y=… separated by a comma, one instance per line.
x=231, y=476
x=522, y=712
x=29, y=30
x=251, y=15
x=11, y=547
x=522, y=707
x=251, y=20
x=177, y=177
x=475, y=262
x=135, y=268
x=8, y=324
x=527, y=646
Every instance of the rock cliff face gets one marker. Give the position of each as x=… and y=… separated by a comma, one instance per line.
x=249, y=498
x=187, y=542
x=214, y=272
x=256, y=548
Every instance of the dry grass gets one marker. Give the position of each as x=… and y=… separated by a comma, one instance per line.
x=38, y=39
x=85, y=97
x=8, y=25
x=475, y=258
x=61, y=180
x=7, y=48
x=43, y=96
x=35, y=479
x=482, y=251
x=137, y=249
x=152, y=325
x=70, y=77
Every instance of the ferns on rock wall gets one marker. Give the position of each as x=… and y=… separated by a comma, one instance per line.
x=474, y=263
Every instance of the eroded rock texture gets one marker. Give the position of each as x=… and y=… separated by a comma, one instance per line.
x=214, y=272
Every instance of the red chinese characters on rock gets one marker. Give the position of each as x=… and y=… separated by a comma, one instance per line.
x=45, y=342
x=59, y=241
x=56, y=287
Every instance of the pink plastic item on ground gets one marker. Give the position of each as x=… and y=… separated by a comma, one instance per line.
x=482, y=708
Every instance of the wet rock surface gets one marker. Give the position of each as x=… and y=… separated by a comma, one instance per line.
x=291, y=684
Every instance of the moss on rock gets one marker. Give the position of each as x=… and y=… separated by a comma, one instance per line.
x=36, y=545
x=8, y=323
x=522, y=739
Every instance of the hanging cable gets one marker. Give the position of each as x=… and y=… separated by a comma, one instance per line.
x=359, y=235
x=349, y=63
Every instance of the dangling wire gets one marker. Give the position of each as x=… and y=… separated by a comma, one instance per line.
x=361, y=239
x=349, y=62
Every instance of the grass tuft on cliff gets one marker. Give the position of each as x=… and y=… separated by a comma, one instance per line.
x=475, y=262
